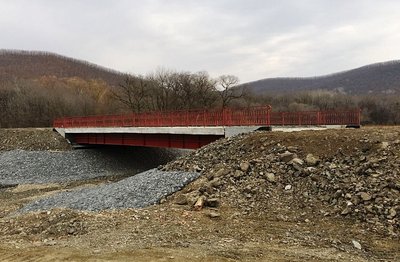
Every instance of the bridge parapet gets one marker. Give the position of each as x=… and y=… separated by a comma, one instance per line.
x=227, y=117
x=317, y=118
x=189, y=129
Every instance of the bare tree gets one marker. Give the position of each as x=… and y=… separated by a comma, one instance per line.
x=205, y=88
x=229, y=89
x=133, y=93
x=181, y=90
x=161, y=89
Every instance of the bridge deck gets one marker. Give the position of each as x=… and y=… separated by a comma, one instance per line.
x=189, y=129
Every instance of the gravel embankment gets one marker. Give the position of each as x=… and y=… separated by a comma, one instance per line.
x=42, y=167
x=141, y=190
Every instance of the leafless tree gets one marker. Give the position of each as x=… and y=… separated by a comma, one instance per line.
x=229, y=89
x=133, y=93
x=161, y=89
x=205, y=87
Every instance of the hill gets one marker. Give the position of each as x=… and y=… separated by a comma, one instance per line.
x=379, y=78
x=34, y=65
x=36, y=87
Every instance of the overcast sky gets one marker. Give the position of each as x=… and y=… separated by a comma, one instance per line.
x=251, y=39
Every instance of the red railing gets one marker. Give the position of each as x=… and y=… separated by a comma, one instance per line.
x=255, y=116
x=308, y=118
x=227, y=117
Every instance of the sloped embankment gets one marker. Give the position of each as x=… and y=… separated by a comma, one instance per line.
x=31, y=139
x=302, y=176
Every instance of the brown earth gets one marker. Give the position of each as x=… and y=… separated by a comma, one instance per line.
x=249, y=214
x=31, y=139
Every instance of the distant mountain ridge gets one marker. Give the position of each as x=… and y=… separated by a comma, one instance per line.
x=378, y=78
x=36, y=64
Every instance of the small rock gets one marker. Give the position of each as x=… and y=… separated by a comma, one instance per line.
x=49, y=242
x=392, y=213
x=197, y=168
x=221, y=172
x=292, y=148
x=311, y=160
x=287, y=156
x=199, y=203
x=384, y=145
x=213, y=202
x=238, y=173
x=216, y=183
x=214, y=214
x=365, y=196
x=288, y=187
x=181, y=200
x=71, y=230
x=356, y=244
x=244, y=166
x=296, y=161
x=346, y=211
x=270, y=177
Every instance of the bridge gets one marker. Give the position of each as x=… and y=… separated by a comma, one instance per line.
x=189, y=129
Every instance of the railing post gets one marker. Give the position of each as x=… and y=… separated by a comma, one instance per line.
x=204, y=117
x=299, y=118
x=223, y=117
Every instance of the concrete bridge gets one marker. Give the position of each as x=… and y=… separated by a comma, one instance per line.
x=189, y=129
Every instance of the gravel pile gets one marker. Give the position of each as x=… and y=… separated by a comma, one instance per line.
x=139, y=191
x=42, y=167
x=302, y=176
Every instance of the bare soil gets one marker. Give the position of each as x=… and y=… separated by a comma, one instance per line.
x=31, y=139
x=176, y=232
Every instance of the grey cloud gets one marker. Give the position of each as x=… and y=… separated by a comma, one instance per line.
x=252, y=39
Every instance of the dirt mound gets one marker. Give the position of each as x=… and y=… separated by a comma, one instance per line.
x=47, y=225
x=302, y=176
x=31, y=139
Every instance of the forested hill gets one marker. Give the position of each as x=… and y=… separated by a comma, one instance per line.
x=34, y=64
x=380, y=78
x=36, y=87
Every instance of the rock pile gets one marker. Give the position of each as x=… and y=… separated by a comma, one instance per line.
x=302, y=176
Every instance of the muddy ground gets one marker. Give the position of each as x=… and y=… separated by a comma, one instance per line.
x=176, y=232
